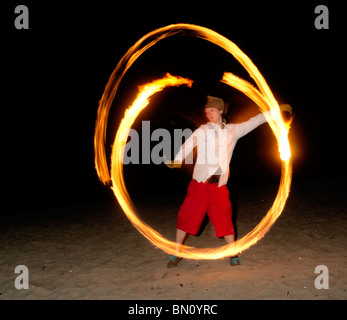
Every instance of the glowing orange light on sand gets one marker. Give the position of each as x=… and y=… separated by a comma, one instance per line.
x=262, y=97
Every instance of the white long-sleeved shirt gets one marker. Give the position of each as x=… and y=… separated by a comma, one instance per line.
x=215, y=147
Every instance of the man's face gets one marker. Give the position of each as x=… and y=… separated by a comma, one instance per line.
x=213, y=115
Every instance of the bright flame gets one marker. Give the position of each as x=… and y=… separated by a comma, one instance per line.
x=265, y=102
x=141, y=101
x=262, y=97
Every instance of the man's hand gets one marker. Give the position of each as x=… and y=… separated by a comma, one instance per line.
x=286, y=108
x=173, y=164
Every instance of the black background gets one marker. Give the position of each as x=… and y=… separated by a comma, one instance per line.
x=53, y=76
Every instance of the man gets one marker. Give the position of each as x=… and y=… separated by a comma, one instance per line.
x=207, y=192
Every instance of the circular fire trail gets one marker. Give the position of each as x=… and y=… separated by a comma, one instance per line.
x=262, y=96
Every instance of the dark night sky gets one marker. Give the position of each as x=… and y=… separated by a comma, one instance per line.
x=54, y=75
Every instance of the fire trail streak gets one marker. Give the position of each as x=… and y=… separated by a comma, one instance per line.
x=262, y=97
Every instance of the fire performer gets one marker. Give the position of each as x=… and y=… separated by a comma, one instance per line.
x=207, y=192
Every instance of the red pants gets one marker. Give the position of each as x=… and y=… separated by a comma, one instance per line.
x=201, y=198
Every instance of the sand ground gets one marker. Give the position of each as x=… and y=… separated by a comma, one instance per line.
x=92, y=251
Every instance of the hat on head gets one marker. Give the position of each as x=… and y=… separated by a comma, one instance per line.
x=213, y=102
